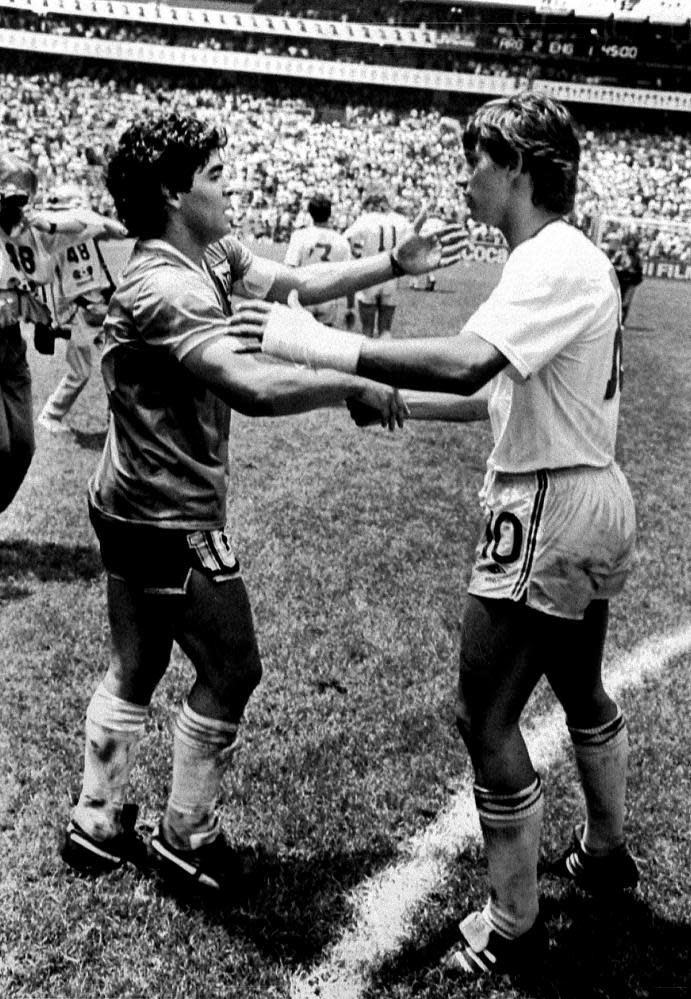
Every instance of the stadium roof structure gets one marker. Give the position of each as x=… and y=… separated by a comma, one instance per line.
x=654, y=11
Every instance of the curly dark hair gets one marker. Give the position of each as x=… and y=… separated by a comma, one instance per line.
x=539, y=130
x=156, y=155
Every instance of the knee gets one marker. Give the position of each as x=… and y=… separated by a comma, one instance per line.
x=485, y=733
x=13, y=469
x=474, y=729
x=252, y=670
x=464, y=722
x=596, y=709
x=240, y=674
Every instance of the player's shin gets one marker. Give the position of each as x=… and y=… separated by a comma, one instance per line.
x=202, y=751
x=114, y=729
x=602, y=756
x=511, y=826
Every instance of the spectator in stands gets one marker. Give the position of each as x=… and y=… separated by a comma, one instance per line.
x=66, y=124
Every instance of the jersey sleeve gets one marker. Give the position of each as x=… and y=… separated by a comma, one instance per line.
x=178, y=315
x=257, y=280
x=533, y=315
x=292, y=257
x=58, y=241
x=239, y=270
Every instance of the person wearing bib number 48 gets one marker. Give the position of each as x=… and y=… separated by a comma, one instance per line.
x=80, y=294
x=30, y=243
x=560, y=530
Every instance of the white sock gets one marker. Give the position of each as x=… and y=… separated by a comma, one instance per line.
x=511, y=826
x=202, y=750
x=113, y=730
x=601, y=756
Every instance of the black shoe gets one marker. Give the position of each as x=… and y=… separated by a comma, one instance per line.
x=92, y=856
x=615, y=872
x=482, y=951
x=216, y=866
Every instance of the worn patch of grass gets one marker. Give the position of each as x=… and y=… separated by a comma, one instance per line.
x=356, y=547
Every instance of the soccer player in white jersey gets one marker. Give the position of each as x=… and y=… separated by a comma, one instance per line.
x=559, y=535
x=78, y=299
x=378, y=230
x=158, y=498
x=318, y=242
x=30, y=244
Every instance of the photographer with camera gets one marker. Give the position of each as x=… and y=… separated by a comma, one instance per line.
x=31, y=243
x=80, y=295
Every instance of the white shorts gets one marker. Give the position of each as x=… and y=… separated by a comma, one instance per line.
x=556, y=539
x=326, y=313
x=380, y=294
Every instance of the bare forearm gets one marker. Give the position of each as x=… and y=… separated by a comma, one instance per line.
x=323, y=282
x=445, y=407
x=429, y=365
x=284, y=390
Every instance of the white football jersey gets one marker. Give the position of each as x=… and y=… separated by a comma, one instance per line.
x=80, y=273
x=372, y=233
x=318, y=244
x=555, y=316
x=315, y=244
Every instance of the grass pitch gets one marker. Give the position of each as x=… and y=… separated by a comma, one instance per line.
x=356, y=546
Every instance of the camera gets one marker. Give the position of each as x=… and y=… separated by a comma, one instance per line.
x=45, y=336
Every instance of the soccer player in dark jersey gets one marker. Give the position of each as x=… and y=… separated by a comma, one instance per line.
x=158, y=497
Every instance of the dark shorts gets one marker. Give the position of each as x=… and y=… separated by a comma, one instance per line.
x=16, y=410
x=160, y=560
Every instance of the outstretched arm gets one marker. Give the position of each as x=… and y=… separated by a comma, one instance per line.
x=459, y=364
x=415, y=254
x=259, y=386
x=446, y=407
x=76, y=222
x=437, y=406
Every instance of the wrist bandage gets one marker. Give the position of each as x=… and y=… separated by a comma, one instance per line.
x=294, y=335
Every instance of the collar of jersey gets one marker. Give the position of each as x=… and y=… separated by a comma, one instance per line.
x=158, y=246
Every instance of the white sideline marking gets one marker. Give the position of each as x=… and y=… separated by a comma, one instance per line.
x=384, y=905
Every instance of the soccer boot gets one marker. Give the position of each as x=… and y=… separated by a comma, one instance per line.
x=482, y=951
x=215, y=866
x=599, y=875
x=92, y=856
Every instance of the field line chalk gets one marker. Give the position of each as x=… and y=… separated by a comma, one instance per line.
x=384, y=905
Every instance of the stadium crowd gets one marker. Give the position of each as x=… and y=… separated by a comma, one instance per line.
x=518, y=50
x=63, y=123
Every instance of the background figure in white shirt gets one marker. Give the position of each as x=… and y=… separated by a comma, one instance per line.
x=378, y=230
x=31, y=244
x=79, y=299
x=315, y=243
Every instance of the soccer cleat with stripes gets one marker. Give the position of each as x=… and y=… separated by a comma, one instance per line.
x=92, y=856
x=216, y=866
x=612, y=873
x=482, y=951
